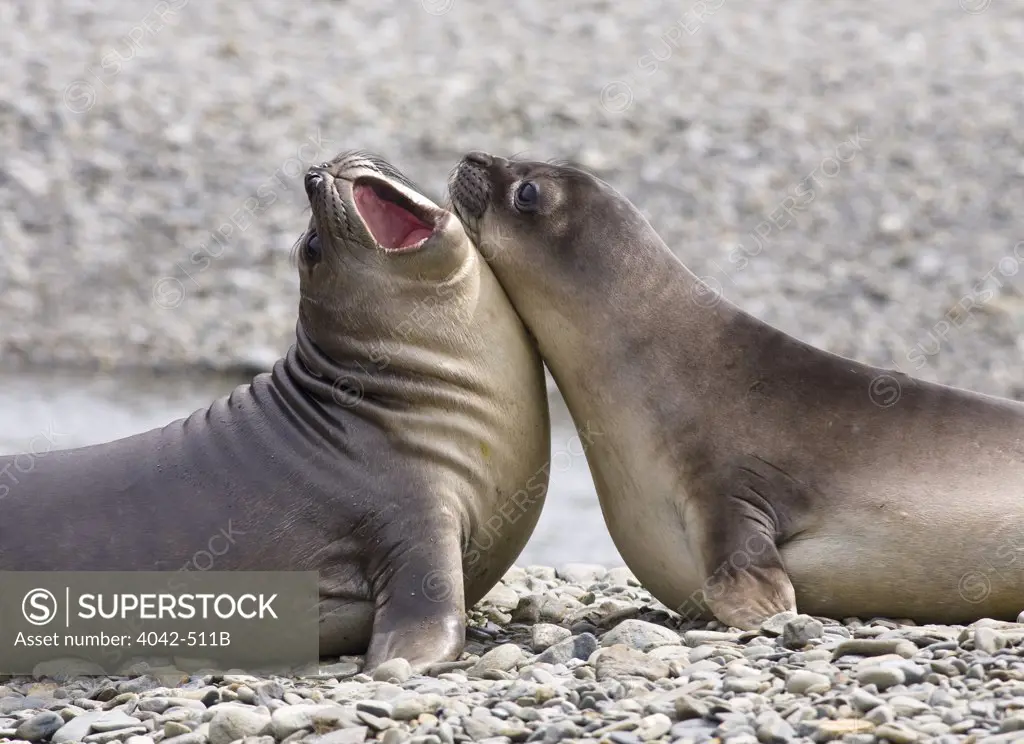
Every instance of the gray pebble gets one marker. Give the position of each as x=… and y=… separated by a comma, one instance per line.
x=39, y=727
x=801, y=630
x=230, y=723
x=803, y=682
x=875, y=647
x=581, y=647
x=393, y=670
x=882, y=677
x=545, y=635
x=640, y=635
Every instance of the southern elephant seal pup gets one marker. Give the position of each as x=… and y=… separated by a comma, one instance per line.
x=389, y=449
x=743, y=471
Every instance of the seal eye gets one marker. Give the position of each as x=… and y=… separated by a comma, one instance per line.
x=527, y=196
x=311, y=248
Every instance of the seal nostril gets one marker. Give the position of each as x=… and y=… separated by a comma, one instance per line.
x=478, y=158
x=312, y=181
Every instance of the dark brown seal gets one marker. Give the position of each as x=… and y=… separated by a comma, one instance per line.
x=388, y=449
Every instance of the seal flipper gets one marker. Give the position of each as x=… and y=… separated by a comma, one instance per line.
x=745, y=579
x=420, y=612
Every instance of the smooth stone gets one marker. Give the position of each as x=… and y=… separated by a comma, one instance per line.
x=394, y=670
x=341, y=669
x=582, y=573
x=881, y=714
x=39, y=727
x=352, y=735
x=412, y=707
x=800, y=631
x=700, y=637
x=503, y=597
x=618, y=661
x=81, y=726
x=580, y=646
x=803, y=682
x=105, y=737
x=287, y=720
x=621, y=576
x=907, y=706
x=865, y=701
x=545, y=635
x=641, y=635
x=881, y=676
x=875, y=647
x=842, y=727
x=988, y=640
x=231, y=723
x=501, y=658
x=897, y=734
x=776, y=624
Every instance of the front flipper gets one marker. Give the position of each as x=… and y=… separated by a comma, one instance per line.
x=420, y=612
x=744, y=513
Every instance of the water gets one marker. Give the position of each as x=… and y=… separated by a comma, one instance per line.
x=60, y=410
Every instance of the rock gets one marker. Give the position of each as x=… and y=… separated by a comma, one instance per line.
x=803, y=682
x=988, y=640
x=837, y=729
x=352, y=735
x=621, y=576
x=286, y=720
x=687, y=707
x=875, y=647
x=883, y=677
x=39, y=727
x=416, y=705
x=582, y=573
x=81, y=726
x=545, y=635
x=394, y=670
x=503, y=597
x=896, y=733
x=230, y=723
x=865, y=701
x=640, y=635
x=581, y=646
x=800, y=631
x=700, y=637
x=653, y=727
x=618, y=661
x=501, y=658
x=775, y=625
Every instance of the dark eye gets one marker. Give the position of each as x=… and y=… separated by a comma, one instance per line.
x=311, y=248
x=527, y=196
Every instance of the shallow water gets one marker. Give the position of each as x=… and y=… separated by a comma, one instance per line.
x=58, y=410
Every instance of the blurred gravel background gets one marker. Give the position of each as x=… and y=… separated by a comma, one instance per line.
x=132, y=132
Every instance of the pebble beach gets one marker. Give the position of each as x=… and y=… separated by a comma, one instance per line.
x=580, y=654
x=851, y=172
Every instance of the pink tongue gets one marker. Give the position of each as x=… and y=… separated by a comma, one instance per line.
x=392, y=226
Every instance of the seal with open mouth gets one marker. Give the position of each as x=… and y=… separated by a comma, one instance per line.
x=743, y=471
x=399, y=448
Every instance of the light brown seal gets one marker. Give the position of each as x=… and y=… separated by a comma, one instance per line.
x=389, y=450
x=742, y=470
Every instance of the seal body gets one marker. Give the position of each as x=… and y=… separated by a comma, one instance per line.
x=399, y=448
x=743, y=472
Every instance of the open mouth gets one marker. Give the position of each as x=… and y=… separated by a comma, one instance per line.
x=396, y=222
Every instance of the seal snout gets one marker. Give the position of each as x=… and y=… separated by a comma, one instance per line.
x=314, y=178
x=476, y=157
x=470, y=186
